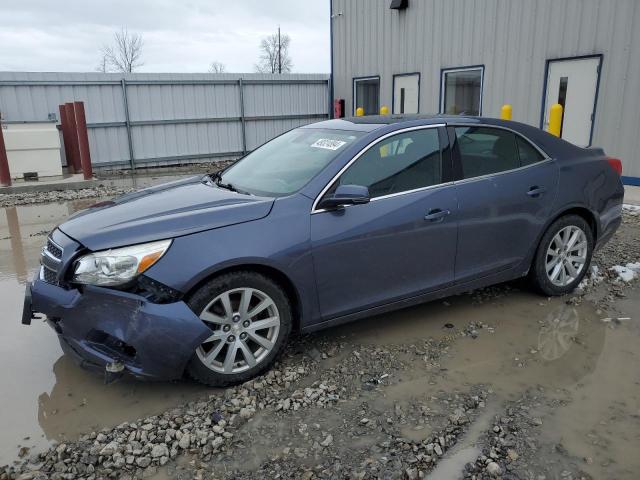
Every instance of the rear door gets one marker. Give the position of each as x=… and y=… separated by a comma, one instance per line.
x=505, y=188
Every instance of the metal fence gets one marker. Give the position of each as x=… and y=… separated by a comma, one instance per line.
x=137, y=120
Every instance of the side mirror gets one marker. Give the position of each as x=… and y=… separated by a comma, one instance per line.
x=345, y=195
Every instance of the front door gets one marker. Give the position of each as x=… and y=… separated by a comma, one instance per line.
x=573, y=84
x=399, y=244
x=406, y=90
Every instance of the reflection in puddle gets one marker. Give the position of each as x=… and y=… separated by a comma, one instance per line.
x=558, y=332
x=45, y=396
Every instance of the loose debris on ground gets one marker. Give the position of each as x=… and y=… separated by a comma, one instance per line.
x=100, y=191
x=30, y=198
x=326, y=411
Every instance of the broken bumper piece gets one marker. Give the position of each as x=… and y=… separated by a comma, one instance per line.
x=101, y=327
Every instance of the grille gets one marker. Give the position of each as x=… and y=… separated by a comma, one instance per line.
x=54, y=249
x=51, y=260
x=48, y=276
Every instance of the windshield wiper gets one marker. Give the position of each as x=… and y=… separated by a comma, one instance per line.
x=217, y=179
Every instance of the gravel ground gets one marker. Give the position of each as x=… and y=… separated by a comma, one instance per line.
x=106, y=189
x=332, y=408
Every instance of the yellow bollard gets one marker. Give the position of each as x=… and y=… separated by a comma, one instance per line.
x=506, y=111
x=555, y=119
x=384, y=110
x=359, y=112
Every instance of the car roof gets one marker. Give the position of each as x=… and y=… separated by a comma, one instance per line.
x=550, y=144
x=369, y=123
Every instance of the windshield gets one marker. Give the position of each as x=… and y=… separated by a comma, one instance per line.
x=287, y=163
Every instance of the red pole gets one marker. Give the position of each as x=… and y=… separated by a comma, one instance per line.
x=83, y=140
x=5, y=175
x=73, y=134
x=64, y=124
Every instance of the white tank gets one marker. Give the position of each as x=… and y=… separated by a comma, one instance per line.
x=33, y=147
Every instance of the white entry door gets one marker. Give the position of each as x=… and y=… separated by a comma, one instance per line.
x=406, y=90
x=573, y=84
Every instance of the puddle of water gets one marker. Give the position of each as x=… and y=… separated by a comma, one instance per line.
x=142, y=181
x=566, y=351
x=601, y=425
x=466, y=450
x=45, y=397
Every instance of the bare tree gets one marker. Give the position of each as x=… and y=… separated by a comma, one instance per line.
x=274, y=54
x=217, y=67
x=125, y=55
x=103, y=66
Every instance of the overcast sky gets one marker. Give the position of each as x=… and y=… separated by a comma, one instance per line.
x=179, y=35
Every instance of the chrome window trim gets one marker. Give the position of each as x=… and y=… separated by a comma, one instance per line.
x=365, y=150
x=489, y=175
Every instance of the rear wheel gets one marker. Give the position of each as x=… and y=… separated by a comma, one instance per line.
x=563, y=256
x=249, y=316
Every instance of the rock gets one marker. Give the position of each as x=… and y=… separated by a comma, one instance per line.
x=411, y=473
x=247, y=412
x=493, y=469
x=327, y=441
x=143, y=462
x=109, y=449
x=217, y=442
x=185, y=441
x=438, y=449
x=159, y=450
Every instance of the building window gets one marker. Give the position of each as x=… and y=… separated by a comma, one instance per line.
x=461, y=91
x=366, y=94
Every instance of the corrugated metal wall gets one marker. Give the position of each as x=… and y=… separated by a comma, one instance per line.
x=172, y=118
x=513, y=39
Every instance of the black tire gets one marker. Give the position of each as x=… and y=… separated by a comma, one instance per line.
x=538, y=274
x=196, y=368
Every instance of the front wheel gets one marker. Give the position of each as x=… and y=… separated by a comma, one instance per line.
x=563, y=256
x=250, y=319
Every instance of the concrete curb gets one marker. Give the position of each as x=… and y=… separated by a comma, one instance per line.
x=50, y=187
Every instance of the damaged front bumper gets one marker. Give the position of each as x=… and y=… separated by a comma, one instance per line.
x=101, y=327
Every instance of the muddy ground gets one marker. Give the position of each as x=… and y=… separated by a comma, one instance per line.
x=496, y=383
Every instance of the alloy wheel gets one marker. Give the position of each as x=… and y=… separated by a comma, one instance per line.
x=566, y=255
x=244, y=324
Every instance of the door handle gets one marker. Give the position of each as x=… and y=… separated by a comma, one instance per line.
x=536, y=191
x=436, y=215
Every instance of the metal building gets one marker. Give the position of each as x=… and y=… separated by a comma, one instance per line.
x=473, y=56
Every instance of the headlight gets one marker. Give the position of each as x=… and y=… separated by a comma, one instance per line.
x=118, y=266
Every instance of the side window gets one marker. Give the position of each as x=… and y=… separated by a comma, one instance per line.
x=486, y=150
x=528, y=154
x=406, y=161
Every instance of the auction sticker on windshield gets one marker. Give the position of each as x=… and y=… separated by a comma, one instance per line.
x=328, y=144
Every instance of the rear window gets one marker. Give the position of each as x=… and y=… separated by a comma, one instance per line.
x=528, y=153
x=485, y=150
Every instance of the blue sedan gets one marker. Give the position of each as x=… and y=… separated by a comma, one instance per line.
x=325, y=224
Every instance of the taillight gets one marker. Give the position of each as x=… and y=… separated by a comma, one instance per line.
x=616, y=164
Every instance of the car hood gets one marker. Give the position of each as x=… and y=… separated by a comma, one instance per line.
x=163, y=211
